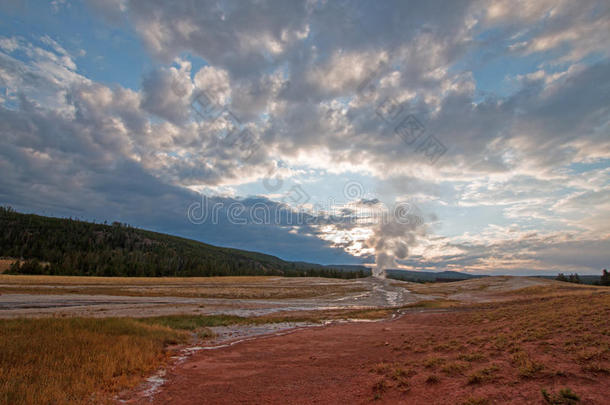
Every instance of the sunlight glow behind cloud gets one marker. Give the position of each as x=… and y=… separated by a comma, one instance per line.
x=506, y=157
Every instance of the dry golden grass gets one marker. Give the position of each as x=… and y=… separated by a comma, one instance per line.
x=85, y=360
x=193, y=292
x=446, y=289
x=85, y=280
x=497, y=289
x=432, y=304
x=554, y=289
x=74, y=361
x=479, y=287
x=253, y=287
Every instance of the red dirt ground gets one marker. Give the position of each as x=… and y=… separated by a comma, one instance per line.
x=492, y=354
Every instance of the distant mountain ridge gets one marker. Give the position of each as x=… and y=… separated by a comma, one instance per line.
x=344, y=267
x=428, y=276
x=72, y=247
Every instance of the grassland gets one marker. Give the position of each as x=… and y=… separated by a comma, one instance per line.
x=245, y=287
x=554, y=338
x=480, y=289
x=548, y=344
x=551, y=337
x=61, y=361
x=92, y=280
x=85, y=360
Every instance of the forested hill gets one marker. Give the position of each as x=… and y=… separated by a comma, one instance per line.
x=72, y=247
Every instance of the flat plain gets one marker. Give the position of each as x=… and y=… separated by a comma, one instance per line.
x=182, y=340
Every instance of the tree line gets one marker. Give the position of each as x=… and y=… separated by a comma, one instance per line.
x=57, y=246
x=575, y=278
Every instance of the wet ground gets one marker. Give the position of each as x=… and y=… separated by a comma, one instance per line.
x=349, y=294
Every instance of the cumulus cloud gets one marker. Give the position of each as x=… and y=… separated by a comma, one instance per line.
x=167, y=91
x=323, y=87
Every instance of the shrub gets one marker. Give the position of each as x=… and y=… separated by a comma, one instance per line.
x=483, y=375
x=379, y=388
x=472, y=357
x=455, y=368
x=605, y=279
x=565, y=396
x=528, y=368
x=432, y=379
x=433, y=362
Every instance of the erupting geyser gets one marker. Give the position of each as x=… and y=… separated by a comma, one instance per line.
x=383, y=262
x=393, y=236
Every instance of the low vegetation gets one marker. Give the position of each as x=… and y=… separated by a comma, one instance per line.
x=564, y=396
x=572, y=278
x=575, y=278
x=538, y=337
x=244, y=287
x=76, y=360
x=87, y=360
x=484, y=375
x=476, y=401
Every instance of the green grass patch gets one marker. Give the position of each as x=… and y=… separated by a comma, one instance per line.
x=193, y=322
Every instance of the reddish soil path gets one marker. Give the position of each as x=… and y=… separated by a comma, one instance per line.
x=317, y=365
x=353, y=363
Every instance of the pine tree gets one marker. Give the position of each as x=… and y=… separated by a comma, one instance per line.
x=561, y=277
x=574, y=278
x=605, y=279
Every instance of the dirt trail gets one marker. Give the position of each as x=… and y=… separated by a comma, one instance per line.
x=323, y=365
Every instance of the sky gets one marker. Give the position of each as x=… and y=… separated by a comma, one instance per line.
x=425, y=135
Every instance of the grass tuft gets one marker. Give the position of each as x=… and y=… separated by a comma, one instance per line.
x=484, y=375
x=379, y=388
x=476, y=401
x=472, y=357
x=528, y=368
x=433, y=379
x=565, y=396
x=455, y=368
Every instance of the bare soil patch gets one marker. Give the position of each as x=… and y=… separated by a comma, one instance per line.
x=495, y=353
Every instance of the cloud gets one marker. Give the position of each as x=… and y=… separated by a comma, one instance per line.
x=545, y=26
x=322, y=87
x=166, y=92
